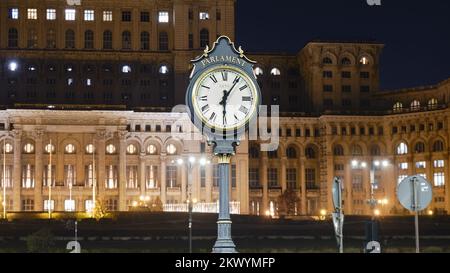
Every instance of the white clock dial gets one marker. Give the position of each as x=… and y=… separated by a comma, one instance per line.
x=225, y=98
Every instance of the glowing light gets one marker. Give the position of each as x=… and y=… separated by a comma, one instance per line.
x=377, y=212
x=323, y=212
x=203, y=161
x=385, y=163
x=377, y=163
x=364, y=165
x=12, y=66
x=354, y=163
x=430, y=212
x=192, y=160
x=135, y=203
x=180, y=161
x=267, y=213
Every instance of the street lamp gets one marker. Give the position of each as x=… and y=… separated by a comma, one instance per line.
x=190, y=165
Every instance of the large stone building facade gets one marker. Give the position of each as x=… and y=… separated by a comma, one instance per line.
x=99, y=80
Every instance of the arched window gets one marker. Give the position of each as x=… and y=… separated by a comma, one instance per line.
x=291, y=153
x=438, y=146
x=364, y=60
x=338, y=150
x=254, y=152
x=8, y=148
x=398, y=107
x=28, y=148
x=90, y=149
x=171, y=149
x=70, y=39
x=49, y=148
x=163, y=41
x=13, y=37
x=310, y=153
x=131, y=149
x=126, y=40
x=70, y=149
x=107, y=39
x=259, y=71
x=419, y=148
x=402, y=149
x=110, y=149
x=432, y=104
x=356, y=150
x=88, y=39
x=32, y=41
x=204, y=38
x=151, y=149
x=145, y=40
x=163, y=69
x=346, y=61
x=126, y=69
x=51, y=38
x=415, y=105
x=327, y=60
x=275, y=72
x=375, y=150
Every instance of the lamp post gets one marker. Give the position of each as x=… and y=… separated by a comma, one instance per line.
x=191, y=162
x=372, y=201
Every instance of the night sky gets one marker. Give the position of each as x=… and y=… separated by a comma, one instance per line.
x=416, y=33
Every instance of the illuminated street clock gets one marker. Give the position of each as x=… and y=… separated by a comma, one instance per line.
x=223, y=94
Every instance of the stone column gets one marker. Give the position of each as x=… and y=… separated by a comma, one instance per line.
x=163, y=179
x=122, y=170
x=39, y=168
x=243, y=184
x=348, y=206
x=142, y=174
x=184, y=170
x=17, y=202
x=100, y=164
x=447, y=185
x=303, y=198
x=208, y=189
x=264, y=182
x=283, y=174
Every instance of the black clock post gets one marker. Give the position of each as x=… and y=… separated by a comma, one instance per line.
x=224, y=57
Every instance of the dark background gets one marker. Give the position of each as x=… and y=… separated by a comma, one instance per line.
x=416, y=32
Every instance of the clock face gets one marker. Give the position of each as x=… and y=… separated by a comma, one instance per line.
x=224, y=98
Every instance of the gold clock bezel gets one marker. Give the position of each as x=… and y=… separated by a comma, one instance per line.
x=242, y=73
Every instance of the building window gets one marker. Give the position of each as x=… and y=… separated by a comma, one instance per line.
x=49, y=205
x=6, y=178
x=111, y=205
x=357, y=183
x=32, y=14
x=339, y=167
x=69, y=14
x=439, y=179
x=346, y=75
x=28, y=148
x=111, y=177
x=69, y=205
x=398, y=107
x=70, y=39
x=204, y=38
x=364, y=75
x=291, y=178
x=421, y=165
x=7, y=148
x=107, y=16
x=233, y=176
x=327, y=88
x=310, y=179
x=163, y=17
x=126, y=16
x=51, y=14
x=88, y=82
x=126, y=69
x=272, y=177
x=163, y=70
x=126, y=40
x=163, y=41
x=328, y=103
x=51, y=38
x=89, y=15
x=275, y=72
x=327, y=60
x=439, y=164
x=432, y=104
x=419, y=148
x=89, y=39
x=310, y=153
x=403, y=166
x=415, y=105
x=171, y=149
x=90, y=149
x=364, y=61
x=365, y=89
x=107, y=39
x=151, y=149
x=69, y=149
x=204, y=16
x=132, y=177
x=216, y=177
x=151, y=177
x=28, y=205
x=291, y=153
x=13, y=13
x=191, y=41
x=254, y=177
x=28, y=176
x=272, y=154
x=32, y=41
x=346, y=102
x=145, y=16
x=69, y=175
x=171, y=176
x=328, y=74
x=131, y=149
x=218, y=15
x=346, y=61
x=13, y=37
x=145, y=40
x=110, y=149
x=402, y=149
x=438, y=146
x=338, y=150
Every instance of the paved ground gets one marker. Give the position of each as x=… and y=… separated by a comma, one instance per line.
x=138, y=232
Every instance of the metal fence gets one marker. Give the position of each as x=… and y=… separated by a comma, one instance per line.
x=235, y=208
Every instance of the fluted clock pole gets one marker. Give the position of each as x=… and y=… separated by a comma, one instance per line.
x=224, y=149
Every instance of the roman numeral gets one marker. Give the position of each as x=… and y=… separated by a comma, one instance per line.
x=205, y=108
x=235, y=117
x=203, y=98
x=213, y=117
x=207, y=87
x=213, y=78
x=225, y=120
x=236, y=80
x=243, y=88
x=243, y=109
x=246, y=98
x=225, y=76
